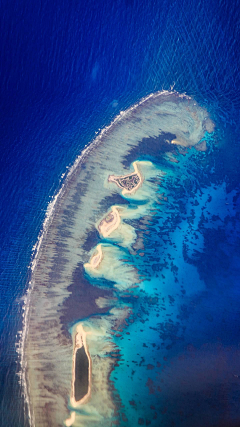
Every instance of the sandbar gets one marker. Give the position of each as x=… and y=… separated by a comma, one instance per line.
x=69, y=421
x=96, y=259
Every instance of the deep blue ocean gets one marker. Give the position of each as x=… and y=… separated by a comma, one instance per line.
x=66, y=69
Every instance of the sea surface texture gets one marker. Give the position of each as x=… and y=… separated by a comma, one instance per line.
x=120, y=213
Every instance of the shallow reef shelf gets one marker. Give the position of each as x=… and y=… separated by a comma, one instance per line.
x=90, y=273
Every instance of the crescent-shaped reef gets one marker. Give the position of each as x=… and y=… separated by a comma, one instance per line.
x=93, y=301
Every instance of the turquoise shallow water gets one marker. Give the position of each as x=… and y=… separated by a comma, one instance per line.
x=180, y=359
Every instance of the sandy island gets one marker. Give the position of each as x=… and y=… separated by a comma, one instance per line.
x=81, y=373
x=110, y=222
x=129, y=183
x=81, y=344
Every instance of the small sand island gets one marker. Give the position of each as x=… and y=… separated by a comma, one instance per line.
x=81, y=370
x=81, y=373
x=96, y=259
x=129, y=183
x=110, y=222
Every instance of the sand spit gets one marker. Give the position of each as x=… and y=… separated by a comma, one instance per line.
x=69, y=421
x=116, y=267
x=96, y=259
x=47, y=351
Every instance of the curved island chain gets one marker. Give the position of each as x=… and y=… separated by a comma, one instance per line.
x=85, y=269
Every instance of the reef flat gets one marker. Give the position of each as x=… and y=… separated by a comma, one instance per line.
x=88, y=279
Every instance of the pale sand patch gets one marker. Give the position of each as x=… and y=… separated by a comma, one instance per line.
x=182, y=143
x=135, y=184
x=69, y=421
x=110, y=222
x=80, y=340
x=95, y=259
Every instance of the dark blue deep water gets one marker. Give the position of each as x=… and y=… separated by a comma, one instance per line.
x=66, y=69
